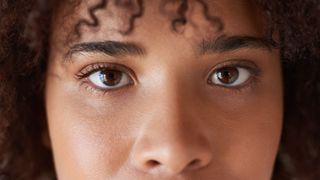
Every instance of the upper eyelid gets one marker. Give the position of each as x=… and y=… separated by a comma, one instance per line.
x=90, y=85
x=253, y=79
x=99, y=66
x=244, y=63
x=235, y=62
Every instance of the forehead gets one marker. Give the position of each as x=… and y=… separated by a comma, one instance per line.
x=241, y=17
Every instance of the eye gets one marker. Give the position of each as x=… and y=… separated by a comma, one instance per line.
x=108, y=79
x=230, y=76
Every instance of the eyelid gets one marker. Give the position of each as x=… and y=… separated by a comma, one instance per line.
x=243, y=63
x=254, y=70
x=238, y=63
x=125, y=78
x=83, y=75
x=92, y=68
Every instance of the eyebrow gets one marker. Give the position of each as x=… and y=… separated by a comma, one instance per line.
x=111, y=48
x=230, y=43
x=218, y=45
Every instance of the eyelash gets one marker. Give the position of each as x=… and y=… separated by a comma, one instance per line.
x=254, y=70
x=84, y=74
x=255, y=73
x=92, y=68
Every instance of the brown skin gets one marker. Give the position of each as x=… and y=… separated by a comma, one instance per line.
x=170, y=122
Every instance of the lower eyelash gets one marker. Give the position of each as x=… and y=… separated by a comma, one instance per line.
x=85, y=83
x=87, y=71
x=251, y=83
x=255, y=74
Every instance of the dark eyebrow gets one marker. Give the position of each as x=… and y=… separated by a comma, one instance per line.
x=111, y=48
x=230, y=43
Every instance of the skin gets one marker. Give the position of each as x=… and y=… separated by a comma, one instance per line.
x=170, y=122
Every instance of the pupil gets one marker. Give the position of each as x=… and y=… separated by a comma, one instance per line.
x=111, y=77
x=228, y=75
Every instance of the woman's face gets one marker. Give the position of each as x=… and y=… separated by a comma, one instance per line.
x=195, y=103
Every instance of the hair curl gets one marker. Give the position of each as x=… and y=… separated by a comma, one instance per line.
x=24, y=42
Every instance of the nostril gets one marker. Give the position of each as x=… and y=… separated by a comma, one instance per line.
x=194, y=164
x=153, y=163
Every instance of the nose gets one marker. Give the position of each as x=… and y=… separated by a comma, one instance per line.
x=172, y=142
x=170, y=150
x=171, y=159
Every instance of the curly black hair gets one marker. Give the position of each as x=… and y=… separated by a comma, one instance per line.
x=24, y=42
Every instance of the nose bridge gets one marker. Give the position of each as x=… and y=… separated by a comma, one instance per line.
x=174, y=94
x=173, y=111
x=171, y=139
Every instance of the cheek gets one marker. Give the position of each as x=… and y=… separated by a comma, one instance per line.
x=88, y=138
x=245, y=133
x=249, y=128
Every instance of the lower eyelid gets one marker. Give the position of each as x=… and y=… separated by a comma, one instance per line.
x=253, y=80
x=88, y=86
x=247, y=87
x=255, y=73
x=92, y=68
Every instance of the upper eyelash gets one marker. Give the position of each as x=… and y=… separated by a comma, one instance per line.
x=90, y=69
x=254, y=70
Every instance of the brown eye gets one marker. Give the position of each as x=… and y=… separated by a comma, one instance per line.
x=229, y=76
x=110, y=79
